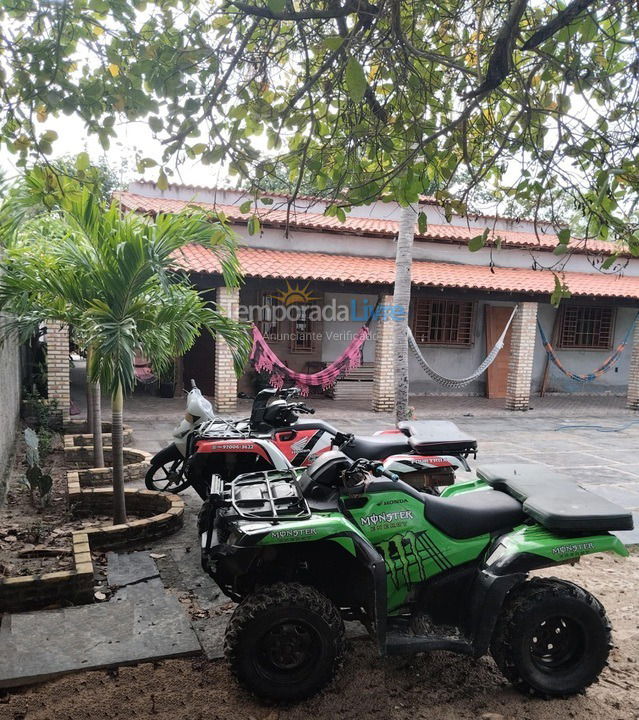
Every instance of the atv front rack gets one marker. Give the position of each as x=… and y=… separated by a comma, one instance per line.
x=269, y=495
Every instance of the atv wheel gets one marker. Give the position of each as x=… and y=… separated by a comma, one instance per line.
x=166, y=473
x=285, y=642
x=552, y=638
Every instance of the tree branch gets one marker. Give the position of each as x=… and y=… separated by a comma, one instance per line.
x=561, y=19
x=501, y=58
x=349, y=7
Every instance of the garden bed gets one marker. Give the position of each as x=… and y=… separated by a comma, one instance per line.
x=76, y=433
x=47, y=554
x=136, y=463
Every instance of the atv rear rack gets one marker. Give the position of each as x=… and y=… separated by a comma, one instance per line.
x=269, y=495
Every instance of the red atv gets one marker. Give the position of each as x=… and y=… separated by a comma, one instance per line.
x=424, y=453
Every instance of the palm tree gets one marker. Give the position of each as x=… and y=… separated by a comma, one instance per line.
x=113, y=277
x=401, y=299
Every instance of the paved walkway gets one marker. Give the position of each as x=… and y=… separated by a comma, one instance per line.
x=148, y=618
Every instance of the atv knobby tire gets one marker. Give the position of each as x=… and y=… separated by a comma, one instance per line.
x=285, y=641
x=552, y=638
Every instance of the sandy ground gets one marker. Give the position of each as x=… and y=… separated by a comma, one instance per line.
x=436, y=686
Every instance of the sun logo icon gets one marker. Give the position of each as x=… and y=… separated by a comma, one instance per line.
x=295, y=295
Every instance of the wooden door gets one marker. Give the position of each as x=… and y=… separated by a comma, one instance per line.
x=199, y=364
x=496, y=317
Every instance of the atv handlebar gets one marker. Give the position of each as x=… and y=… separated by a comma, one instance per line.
x=379, y=471
x=302, y=408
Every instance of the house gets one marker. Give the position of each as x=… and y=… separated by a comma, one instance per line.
x=334, y=272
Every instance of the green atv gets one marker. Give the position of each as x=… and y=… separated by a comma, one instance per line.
x=304, y=550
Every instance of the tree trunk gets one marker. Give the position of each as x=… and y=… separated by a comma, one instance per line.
x=117, y=458
x=401, y=299
x=94, y=418
x=96, y=425
x=89, y=399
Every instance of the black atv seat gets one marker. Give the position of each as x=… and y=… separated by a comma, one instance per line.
x=432, y=437
x=555, y=500
x=473, y=513
x=376, y=447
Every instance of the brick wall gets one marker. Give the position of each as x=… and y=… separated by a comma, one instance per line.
x=633, y=373
x=225, y=398
x=58, y=367
x=384, y=370
x=522, y=350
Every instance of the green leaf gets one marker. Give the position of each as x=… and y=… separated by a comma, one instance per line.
x=355, y=79
x=253, y=225
x=333, y=42
x=246, y=206
x=422, y=223
x=82, y=161
x=199, y=148
x=155, y=123
x=560, y=249
x=266, y=201
x=560, y=291
x=478, y=242
x=564, y=236
x=608, y=262
x=162, y=181
x=276, y=6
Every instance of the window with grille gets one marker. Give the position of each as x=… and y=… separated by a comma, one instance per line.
x=270, y=325
x=303, y=331
x=443, y=322
x=589, y=328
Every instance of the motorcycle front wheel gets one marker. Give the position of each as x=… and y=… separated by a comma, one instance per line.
x=166, y=473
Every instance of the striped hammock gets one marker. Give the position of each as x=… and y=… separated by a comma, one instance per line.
x=265, y=360
x=608, y=363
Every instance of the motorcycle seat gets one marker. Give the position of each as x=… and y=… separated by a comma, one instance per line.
x=376, y=447
x=473, y=513
x=435, y=437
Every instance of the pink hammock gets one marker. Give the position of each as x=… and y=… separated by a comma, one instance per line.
x=264, y=359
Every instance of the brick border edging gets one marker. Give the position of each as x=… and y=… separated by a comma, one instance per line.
x=86, y=439
x=96, y=477
x=115, y=537
x=30, y=592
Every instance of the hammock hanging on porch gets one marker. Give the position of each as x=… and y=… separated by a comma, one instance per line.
x=460, y=382
x=264, y=359
x=603, y=368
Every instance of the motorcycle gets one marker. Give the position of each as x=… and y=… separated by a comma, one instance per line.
x=424, y=453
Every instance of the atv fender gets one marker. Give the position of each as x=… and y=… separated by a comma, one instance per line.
x=338, y=529
x=530, y=547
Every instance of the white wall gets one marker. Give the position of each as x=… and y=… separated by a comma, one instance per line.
x=9, y=406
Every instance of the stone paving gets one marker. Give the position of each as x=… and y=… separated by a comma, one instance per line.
x=142, y=621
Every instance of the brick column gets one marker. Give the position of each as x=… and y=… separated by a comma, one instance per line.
x=58, y=367
x=633, y=373
x=384, y=370
x=522, y=350
x=228, y=302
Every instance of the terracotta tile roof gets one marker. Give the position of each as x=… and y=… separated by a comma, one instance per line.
x=281, y=264
x=355, y=225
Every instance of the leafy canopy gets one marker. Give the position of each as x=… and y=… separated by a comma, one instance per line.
x=360, y=99
x=113, y=278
